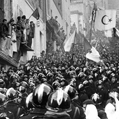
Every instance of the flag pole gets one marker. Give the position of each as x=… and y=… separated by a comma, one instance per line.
x=31, y=14
x=91, y=29
x=96, y=44
x=92, y=20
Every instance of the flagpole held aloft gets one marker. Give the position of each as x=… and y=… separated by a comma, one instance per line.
x=30, y=16
x=93, y=55
x=87, y=45
x=69, y=42
x=35, y=14
x=92, y=20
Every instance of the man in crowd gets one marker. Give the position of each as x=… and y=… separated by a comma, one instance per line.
x=4, y=33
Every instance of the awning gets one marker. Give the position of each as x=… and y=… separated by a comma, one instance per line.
x=5, y=59
x=25, y=47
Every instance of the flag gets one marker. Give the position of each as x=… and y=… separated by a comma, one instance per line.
x=93, y=55
x=68, y=43
x=36, y=14
x=109, y=33
x=92, y=20
x=116, y=32
x=78, y=37
x=105, y=20
x=97, y=42
x=87, y=45
x=94, y=12
x=101, y=46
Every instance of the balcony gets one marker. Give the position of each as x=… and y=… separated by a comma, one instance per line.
x=14, y=41
x=25, y=47
x=5, y=59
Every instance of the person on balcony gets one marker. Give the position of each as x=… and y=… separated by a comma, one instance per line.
x=23, y=28
x=19, y=37
x=18, y=32
x=3, y=34
x=12, y=39
x=31, y=33
x=27, y=30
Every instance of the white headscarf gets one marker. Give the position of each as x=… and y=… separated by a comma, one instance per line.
x=117, y=108
x=91, y=112
x=110, y=111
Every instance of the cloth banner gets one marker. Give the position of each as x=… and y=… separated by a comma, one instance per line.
x=105, y=20
x=93, y=55
x=69, y=42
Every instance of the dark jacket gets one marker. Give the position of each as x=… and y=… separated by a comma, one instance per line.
x=76, y=112
x=36, y=113
x=57, y=115
x=4, y=30
x=14, y=108
x=6, y=113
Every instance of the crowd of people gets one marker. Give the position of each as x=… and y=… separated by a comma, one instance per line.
x=61, y=86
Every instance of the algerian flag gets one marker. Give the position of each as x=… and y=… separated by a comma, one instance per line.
x=68, y=43
x=117, y=32
x=93, y=55
x=109, y=33
x=105, y=20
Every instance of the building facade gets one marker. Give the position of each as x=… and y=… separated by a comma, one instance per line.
x=11, y=9
x=76, y=11
x=58, y=19
x=50, y=28
x=27, y=7
x=5, y=59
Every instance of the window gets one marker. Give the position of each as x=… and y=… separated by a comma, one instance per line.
x=41, y=4
x=48, y=7
x=41, y=42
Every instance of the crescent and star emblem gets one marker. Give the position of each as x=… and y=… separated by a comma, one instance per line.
x=105, y=20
